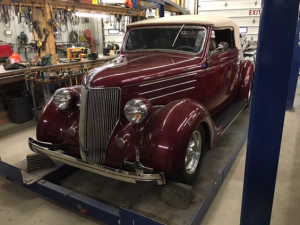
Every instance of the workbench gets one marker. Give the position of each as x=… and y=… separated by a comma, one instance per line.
x=27, y=75
x=10, y=76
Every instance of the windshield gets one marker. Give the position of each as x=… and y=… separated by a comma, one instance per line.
x=190, y=39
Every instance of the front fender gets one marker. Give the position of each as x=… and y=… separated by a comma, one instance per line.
x=53, y=124
x=246, y=79
x=163, y=142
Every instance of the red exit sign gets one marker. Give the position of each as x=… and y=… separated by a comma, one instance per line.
x=254, y=12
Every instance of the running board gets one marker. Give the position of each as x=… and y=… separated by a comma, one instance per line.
x=229, y=114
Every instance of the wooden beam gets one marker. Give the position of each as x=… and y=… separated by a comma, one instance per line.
x=171, y=8
x=50, y=44
x=82, y=6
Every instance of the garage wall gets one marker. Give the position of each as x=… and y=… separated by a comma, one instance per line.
x=246, y=13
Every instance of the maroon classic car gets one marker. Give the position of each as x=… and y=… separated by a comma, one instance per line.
x=155, y=110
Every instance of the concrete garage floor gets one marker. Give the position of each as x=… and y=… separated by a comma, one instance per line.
x=21, y=206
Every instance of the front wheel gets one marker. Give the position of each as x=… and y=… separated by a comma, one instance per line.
x=196, y=148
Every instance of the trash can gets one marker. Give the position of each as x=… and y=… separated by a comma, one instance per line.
x=1, y=105
x=19, y=108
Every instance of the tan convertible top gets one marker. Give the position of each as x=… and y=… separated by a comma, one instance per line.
x=218, y=22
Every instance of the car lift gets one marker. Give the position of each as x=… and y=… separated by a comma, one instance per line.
x=117, y=202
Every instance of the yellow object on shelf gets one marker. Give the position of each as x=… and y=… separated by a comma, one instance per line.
x=95, y=2
x=74, y=54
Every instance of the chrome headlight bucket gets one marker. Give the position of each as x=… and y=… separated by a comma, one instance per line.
x=136, y=110
x=63, y=98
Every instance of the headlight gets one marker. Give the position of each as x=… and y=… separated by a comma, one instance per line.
x=136, y=110
x=62, y=98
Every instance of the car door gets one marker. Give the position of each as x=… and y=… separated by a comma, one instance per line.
x=220, y=74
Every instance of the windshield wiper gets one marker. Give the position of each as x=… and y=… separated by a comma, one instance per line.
x=178, y=35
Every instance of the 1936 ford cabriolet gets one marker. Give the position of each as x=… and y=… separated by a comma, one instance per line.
x=152, y=112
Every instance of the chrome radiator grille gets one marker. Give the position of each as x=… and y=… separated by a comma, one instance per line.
x=101, y=109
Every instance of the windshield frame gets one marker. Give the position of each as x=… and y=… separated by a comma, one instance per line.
x=164, y=50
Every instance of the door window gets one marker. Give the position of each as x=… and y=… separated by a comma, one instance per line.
x=222, y=37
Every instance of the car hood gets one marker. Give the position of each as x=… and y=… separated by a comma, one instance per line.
x=126, y=69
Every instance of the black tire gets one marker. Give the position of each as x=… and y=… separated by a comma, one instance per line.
x=181, y=175
x=251, y=92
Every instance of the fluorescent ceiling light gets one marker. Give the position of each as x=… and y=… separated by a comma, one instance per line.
x=113, y=31
x=93, y=15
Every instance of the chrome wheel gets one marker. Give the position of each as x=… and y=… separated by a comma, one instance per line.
x=193, y=152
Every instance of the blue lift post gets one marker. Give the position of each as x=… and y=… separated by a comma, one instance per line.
x=294, y=72
x=274, y=59
x=160, y=6
x=161, y=9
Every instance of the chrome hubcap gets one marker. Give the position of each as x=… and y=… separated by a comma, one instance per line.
x=193, y=152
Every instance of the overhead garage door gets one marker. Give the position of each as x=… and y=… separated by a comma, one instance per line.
x=245, y=13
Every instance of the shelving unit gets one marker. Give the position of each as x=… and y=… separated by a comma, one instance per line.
x=76, y=5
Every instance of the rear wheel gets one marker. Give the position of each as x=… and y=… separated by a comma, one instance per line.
x=195, y=150
x=250, y=93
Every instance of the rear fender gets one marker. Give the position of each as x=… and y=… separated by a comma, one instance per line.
x=164, y=139
x=246, y=79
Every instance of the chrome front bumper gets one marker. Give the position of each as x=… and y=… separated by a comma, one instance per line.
x=54, y=152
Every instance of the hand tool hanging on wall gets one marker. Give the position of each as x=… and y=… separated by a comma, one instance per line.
x=41, y=45
x=123, y=24
x=20, y=13
x=4, y=14
x=58, y=16
x=115, y=21
x=42, y=8
x=26, y=11
x=52, y=21
x=36, y=28
x=46, y=33
x=66, y=15
x=34, y=15
x=29, y=20
x=62, y=17
x=16, y=10
x=119, y=21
